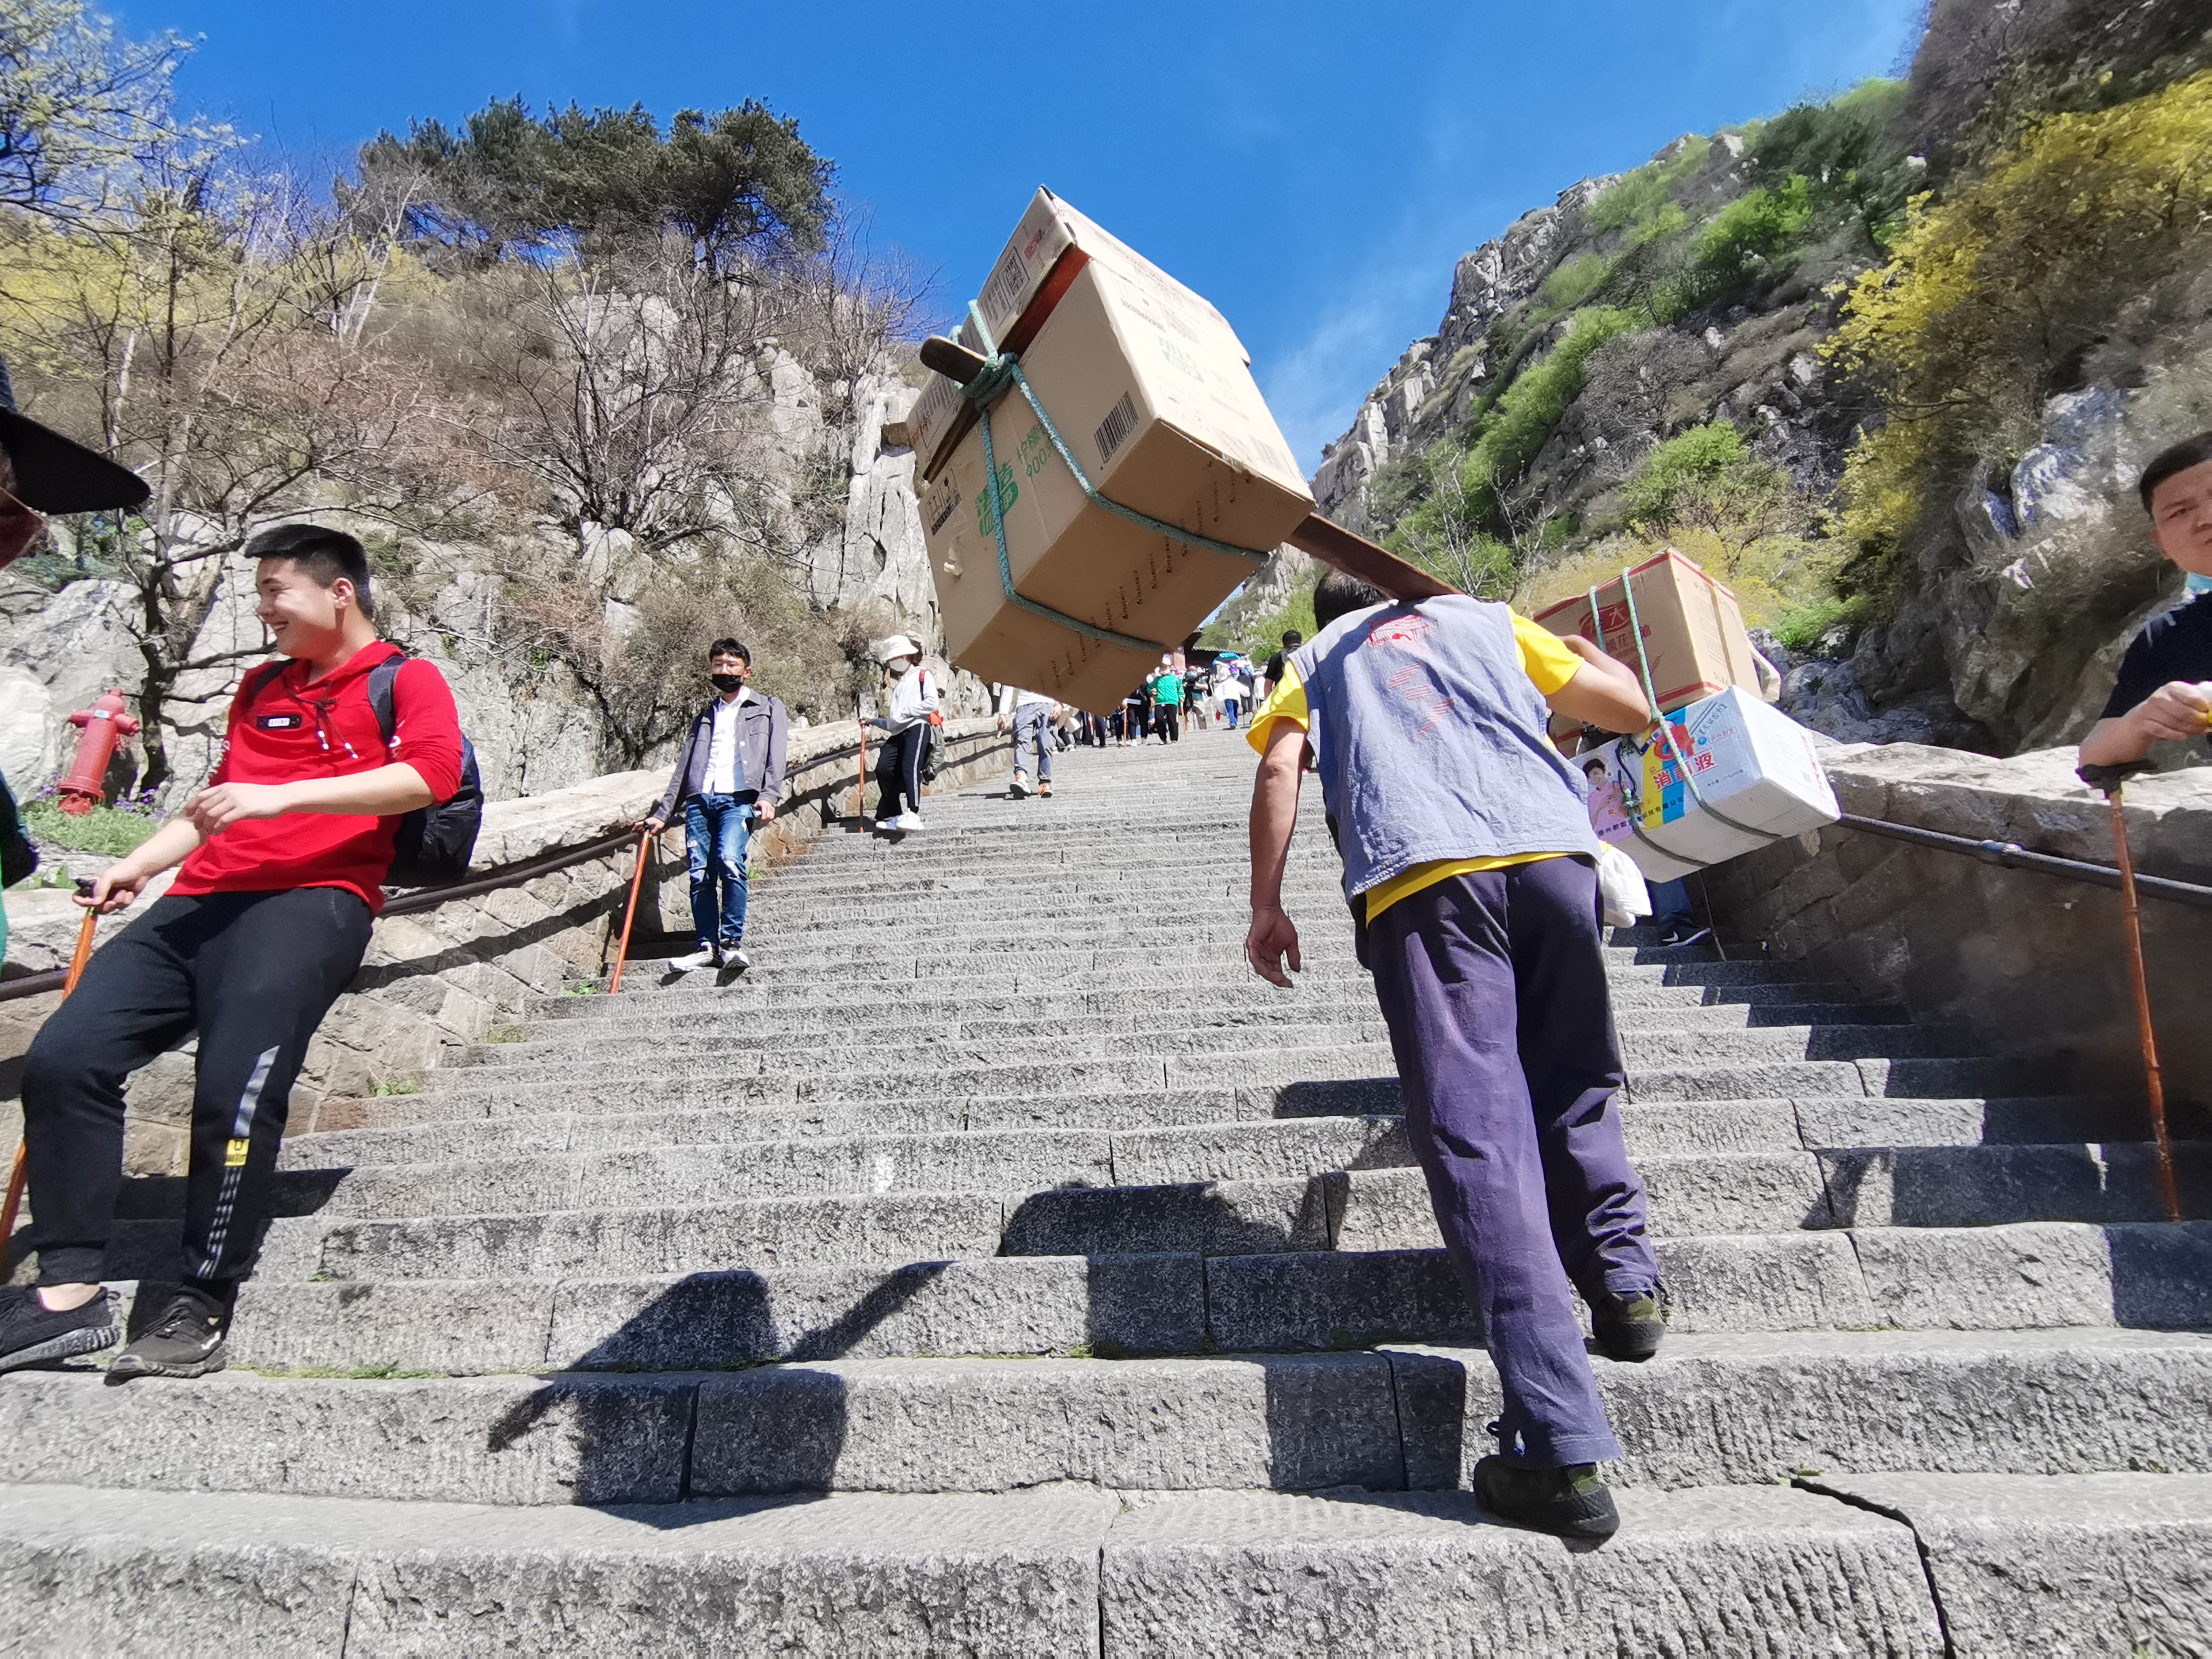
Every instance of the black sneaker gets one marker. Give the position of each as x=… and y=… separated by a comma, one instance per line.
x=1628, y=1326
x=1572, y=1502
x=186, y=1339
x=30, y=1334
x=1684, y=932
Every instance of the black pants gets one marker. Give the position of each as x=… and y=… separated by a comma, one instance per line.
x=898, y=772
x=1171, y=722
x=253, y=974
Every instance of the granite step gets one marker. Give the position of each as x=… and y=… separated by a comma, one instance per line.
x=1062, y=1571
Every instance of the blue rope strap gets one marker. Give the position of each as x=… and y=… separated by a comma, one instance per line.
x=1002, y=370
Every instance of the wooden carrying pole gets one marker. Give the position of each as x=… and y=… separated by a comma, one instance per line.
x=630, y=912
x=16, y=1173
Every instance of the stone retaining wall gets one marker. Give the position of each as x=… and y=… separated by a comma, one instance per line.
x=456, y=973
x=2032, y=964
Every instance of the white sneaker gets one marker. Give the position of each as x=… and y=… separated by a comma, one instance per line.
x=1020, y=787
x=909, y=822
x=733, y=957
x=701, y=958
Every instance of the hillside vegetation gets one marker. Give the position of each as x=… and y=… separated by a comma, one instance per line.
x=1884, y=363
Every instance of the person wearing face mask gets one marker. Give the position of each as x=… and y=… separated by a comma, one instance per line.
x=729, y=777
x=914, y=700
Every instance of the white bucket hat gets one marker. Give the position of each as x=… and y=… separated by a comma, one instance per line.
x=891, y=650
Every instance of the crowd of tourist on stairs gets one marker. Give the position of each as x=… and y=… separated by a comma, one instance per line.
x=1467, y=859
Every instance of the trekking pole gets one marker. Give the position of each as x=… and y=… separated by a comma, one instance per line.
x=629, y=914
x=860, y=789
x=2109, y=779
x=20, y=1169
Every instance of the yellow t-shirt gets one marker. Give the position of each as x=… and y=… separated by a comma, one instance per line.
x=1544, y=657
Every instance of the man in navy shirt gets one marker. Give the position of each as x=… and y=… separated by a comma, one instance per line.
x=2164, y=692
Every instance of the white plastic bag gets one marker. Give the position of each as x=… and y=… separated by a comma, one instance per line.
x=1620, y=885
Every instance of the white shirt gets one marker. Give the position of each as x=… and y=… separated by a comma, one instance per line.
x=1014, y=698
x=721, y=777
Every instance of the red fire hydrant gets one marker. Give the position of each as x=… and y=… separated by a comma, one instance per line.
x=83, y=787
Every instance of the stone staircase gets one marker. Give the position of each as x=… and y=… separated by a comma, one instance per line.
x=1000, y=1267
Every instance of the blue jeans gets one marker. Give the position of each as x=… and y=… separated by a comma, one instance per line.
x=722, y=824
x=1493, y=987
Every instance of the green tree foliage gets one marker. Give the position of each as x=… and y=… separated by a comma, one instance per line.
x=738, y=182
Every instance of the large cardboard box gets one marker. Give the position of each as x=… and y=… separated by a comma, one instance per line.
x=1048, y=248
x=1692, y=629
x=1754, y=765
x=1154, y=398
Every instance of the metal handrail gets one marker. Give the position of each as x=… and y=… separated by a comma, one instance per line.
x=2011, y=855
x=506, y=875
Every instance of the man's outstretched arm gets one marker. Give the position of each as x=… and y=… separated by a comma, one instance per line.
x=1273, y=939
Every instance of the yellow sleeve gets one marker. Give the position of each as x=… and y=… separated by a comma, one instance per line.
x=1544, y=656
x=1287, y=702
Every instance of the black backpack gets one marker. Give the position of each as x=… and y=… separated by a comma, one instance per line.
x=435, y=842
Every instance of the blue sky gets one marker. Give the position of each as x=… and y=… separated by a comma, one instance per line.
x=1314, y=169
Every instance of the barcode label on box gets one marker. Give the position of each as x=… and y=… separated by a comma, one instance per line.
x=937, y=502
x=1114, y=431
x=1001, y=297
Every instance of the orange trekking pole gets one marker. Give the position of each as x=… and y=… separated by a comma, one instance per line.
x=629, y=914
x=18, y=1172
x=2109, y=780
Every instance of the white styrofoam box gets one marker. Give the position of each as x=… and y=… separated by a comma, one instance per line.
x=1754, y=765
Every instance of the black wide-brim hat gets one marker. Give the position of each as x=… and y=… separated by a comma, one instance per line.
x=54, y=474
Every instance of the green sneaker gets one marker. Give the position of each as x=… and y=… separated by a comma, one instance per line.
x=1572, y=1502
x=1628, y=1326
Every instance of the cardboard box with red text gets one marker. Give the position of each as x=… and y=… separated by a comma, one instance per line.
x=1692, y=626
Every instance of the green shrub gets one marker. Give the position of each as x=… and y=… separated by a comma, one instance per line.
x=110, y=831
x=1749, y=236
x=1699, y=456
x=1802, y=627
x=1646, y=198
x=1574, y=283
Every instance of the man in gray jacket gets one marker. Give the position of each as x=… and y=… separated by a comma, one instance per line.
x=729, y=774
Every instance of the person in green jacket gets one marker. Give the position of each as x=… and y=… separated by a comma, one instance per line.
x=1167, y=701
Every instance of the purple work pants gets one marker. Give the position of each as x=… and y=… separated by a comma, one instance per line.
x=1493, y=987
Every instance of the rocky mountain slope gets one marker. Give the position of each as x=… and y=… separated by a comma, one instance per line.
x=1653, y=358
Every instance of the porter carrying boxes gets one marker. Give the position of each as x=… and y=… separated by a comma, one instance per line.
x=1106, y=474
x=1752, y=777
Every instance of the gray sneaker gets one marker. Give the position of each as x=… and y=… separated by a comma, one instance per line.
x=186, y=1339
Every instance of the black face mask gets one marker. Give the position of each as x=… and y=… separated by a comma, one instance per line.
x=726, y=682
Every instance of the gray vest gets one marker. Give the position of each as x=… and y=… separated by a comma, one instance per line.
x=1430, y=740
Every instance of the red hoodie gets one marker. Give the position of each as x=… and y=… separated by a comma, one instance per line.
x=294, y=731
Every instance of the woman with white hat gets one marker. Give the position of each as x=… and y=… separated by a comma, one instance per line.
x=898, y=764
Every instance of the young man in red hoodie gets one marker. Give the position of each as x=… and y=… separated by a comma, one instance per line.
x=284, y=855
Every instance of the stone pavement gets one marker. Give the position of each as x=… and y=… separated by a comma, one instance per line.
x=1000, y=1267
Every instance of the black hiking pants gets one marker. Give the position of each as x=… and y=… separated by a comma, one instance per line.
x=898, y=772
x=253, y=974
